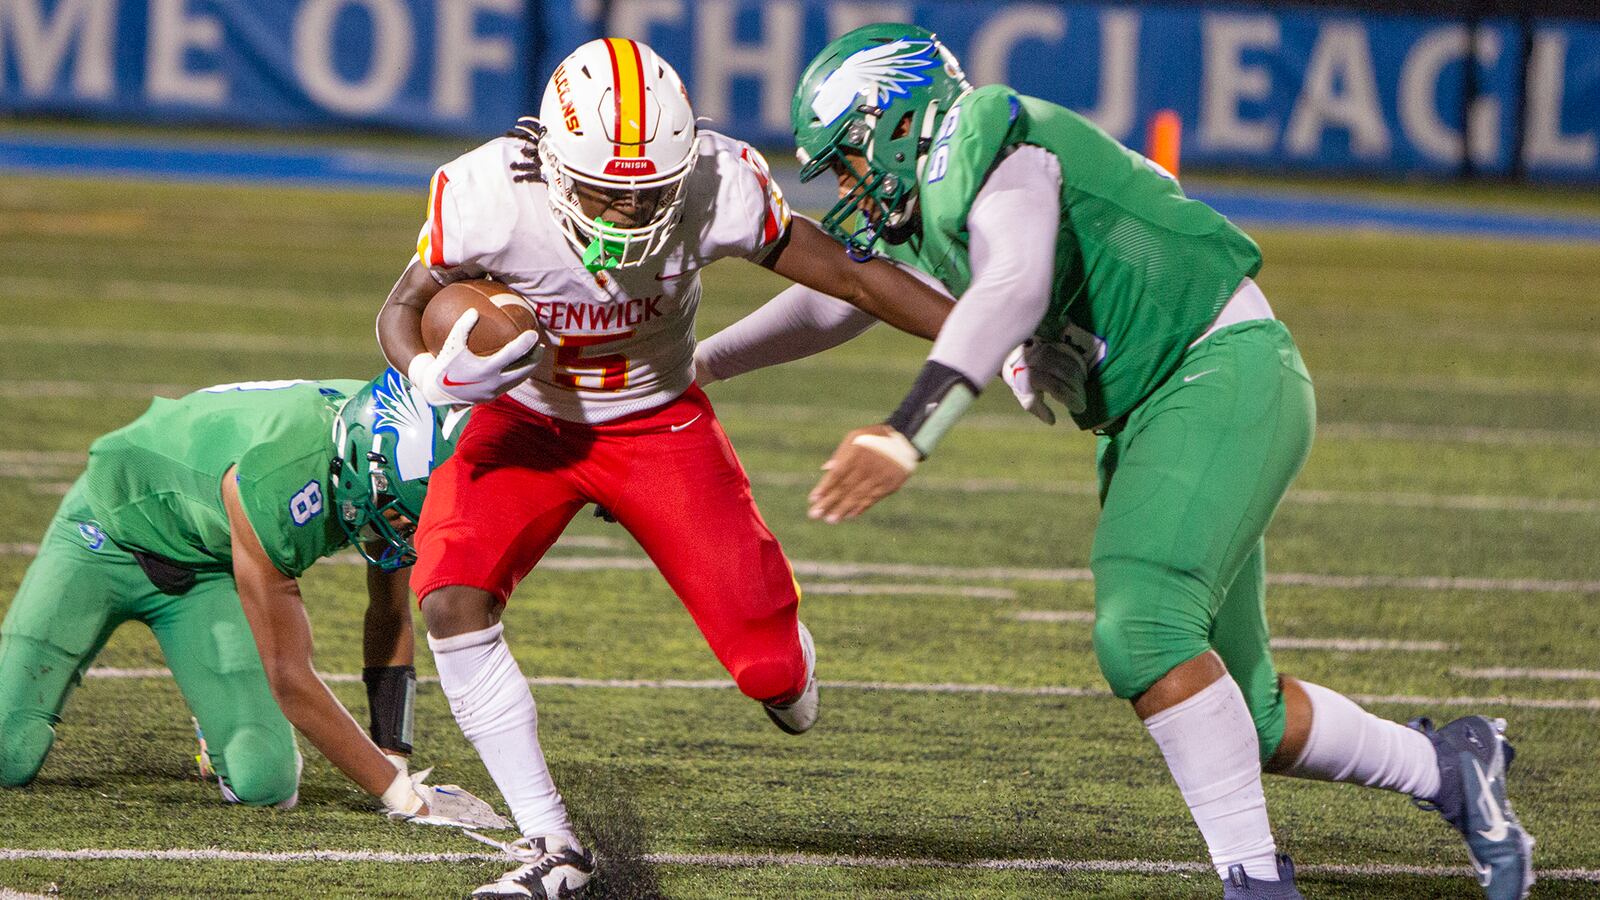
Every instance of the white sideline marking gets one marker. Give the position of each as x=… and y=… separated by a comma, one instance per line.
x=22, y=287
x=163, y=341
x=1278, y=643
x=1532, y=674
x=1055, y=615
x=33, y=463
x=1360, y=644
x=758, y=860
x=29, y=390
x=1459, y=434
x=866, y=589
x=1402, y=499
x=9, y=894
x=1394, y=431
x=821, y=569
x=723, y=684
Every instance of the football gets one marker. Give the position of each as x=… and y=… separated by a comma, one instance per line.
x=502, y=315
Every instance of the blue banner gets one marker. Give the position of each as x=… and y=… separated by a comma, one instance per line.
x=1259, y=88
x=1256, y=88
x=462, y=66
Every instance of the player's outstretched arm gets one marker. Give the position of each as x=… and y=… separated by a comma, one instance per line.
x=810, y=257
x=277, y=618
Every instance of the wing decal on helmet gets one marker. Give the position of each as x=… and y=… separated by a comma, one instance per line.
x=875, y=74
x=399, y=409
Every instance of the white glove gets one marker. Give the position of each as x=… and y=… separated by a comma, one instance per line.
x=1036, y=369
x=459, y=377
x=447, y=804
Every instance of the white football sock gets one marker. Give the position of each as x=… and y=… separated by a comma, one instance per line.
x=495, y=709
x=1347, y=743
x=1211, y=748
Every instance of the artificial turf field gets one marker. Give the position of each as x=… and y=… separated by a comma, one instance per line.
x=1446, y=525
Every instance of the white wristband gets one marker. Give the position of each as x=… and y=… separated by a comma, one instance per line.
x=893, y=445
x=401, y=796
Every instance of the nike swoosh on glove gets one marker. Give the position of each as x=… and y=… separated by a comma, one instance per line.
x=448, y=804
x=1038, y=369
x=459, y=377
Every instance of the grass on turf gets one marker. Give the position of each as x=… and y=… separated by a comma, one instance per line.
x=1460, y=374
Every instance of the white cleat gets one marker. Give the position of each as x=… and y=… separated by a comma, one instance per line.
x=553, y=868
x=798, y=715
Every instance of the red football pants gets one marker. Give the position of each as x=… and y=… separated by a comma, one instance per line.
x=670, y=478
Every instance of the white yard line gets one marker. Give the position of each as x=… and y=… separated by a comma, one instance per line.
x=165, y=341
x=1529, y=674
x=32, y=390
x=1402, y=499
x=1354, y=645
x=844, y=570
x=33, y=463
x=1007, y=690
x=1055, y=615
x=867, y=589
x=1360, y=644
x=762, y=860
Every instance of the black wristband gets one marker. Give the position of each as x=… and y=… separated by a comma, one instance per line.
x=391, y=693
x=938, y=397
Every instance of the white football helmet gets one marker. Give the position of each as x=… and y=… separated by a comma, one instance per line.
x=616, y=120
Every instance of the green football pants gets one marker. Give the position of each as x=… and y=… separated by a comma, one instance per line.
x=1187, y=488
x=79, y=588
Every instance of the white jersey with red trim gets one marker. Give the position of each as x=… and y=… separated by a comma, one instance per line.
x=621, y=340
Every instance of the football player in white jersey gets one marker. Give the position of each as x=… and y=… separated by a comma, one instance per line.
x=601, y=214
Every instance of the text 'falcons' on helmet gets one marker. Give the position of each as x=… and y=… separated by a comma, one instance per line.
x=616, y=119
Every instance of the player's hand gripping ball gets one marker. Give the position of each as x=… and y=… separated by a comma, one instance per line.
x=482, y=340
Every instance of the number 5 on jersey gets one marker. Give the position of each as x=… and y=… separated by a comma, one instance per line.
x=600, y=372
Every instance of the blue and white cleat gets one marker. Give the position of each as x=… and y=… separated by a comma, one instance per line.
x=1473, y=758
x=1239, y=886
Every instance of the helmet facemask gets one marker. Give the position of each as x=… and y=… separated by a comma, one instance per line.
x=879, y=203
x=604, y=244
x=620, y=138
x=866, y=109
x=382, y=435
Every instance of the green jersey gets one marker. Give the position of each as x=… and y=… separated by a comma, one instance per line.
x=1140, y=269
x=155, y=485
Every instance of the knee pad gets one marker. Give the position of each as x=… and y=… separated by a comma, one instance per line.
x=1145, y=624
x=25, y=741
x=259, y=768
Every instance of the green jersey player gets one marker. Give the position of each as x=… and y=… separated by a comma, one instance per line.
x=1143, y=318
x=196, y=519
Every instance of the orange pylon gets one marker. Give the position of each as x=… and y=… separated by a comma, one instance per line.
x=1163, y=139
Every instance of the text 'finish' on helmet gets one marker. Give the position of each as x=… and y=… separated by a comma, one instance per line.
x=877, y=93
x=387, y=440
x=617, y=124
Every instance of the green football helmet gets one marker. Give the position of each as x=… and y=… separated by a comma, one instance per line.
x=387, y=441
x=856, y=96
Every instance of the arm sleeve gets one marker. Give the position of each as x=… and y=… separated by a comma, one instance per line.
x=470, y=214
x=1013, y=247
x=795, y=324
x=751, y=215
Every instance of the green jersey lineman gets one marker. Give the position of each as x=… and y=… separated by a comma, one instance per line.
x=147, y=534
x=1139, y=269
x=1136, y=307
